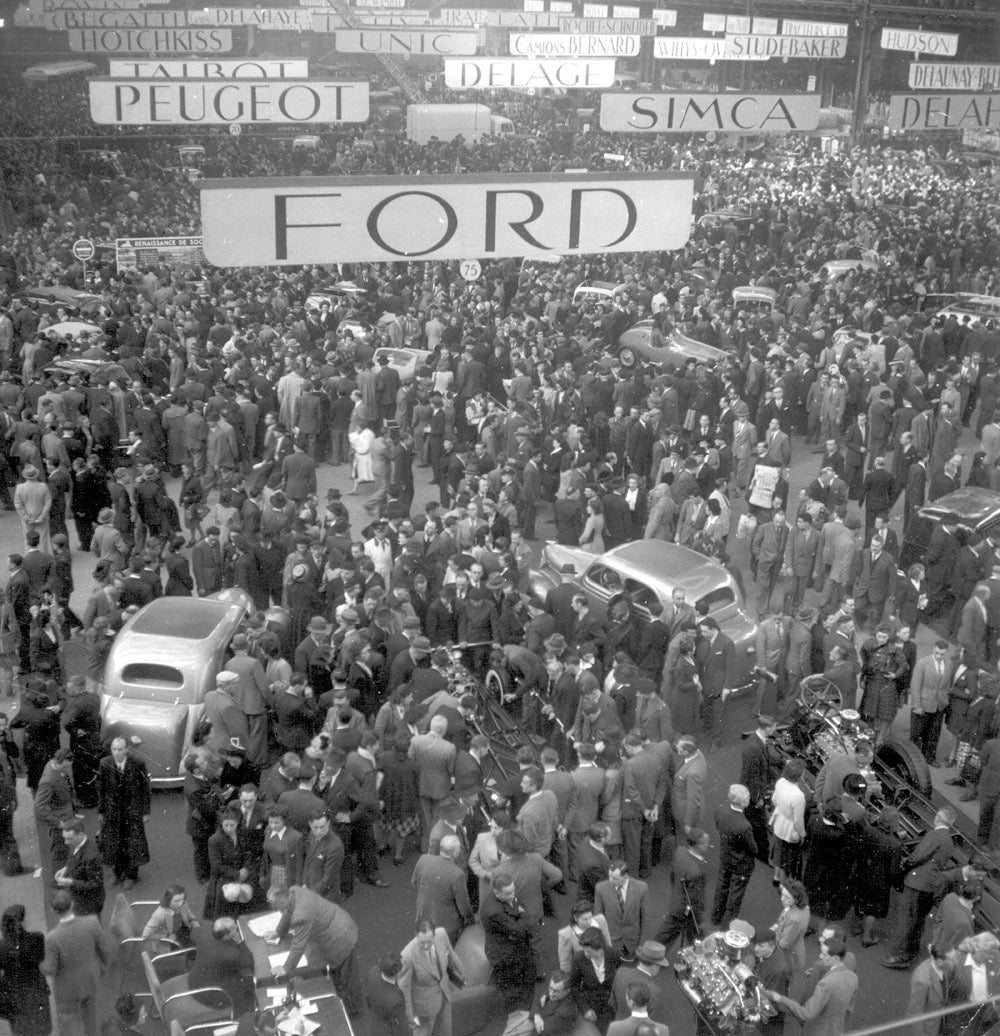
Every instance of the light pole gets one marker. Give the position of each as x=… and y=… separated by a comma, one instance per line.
x=863, y=74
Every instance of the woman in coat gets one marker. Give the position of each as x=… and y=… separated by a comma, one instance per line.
x=24, y=993
x=788, y=822
x=827, y=843
x=227, y=866
x=399, y=793
x=592, y=977
x=169, y=926
x=791, y=926
x=179, y=580
x=685, y=699
x=964, y=691
x=41, y=734
x=882, y=853
x=592, y=537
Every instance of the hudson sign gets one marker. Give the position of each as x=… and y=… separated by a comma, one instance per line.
x=384, y=219
x=703, y=113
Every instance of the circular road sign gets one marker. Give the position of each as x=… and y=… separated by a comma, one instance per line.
x=470, y=269
x=84, y=249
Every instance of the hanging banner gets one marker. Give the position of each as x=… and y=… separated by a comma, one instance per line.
x=62, y=20
x=390, y=41
x=222, y=69
x=920, y=41
x=740, y=48
x=529, y=73
x=765, y=27
x=713, y=22
x=693, y=48
x=475, y=18
x=664, y=18
x=564, y=45
x=931, y=75
x=204, y=102
x=288, y=18
x=614, y=26
x=131, y=253
x=330, y=21
x=151, y=41
x=944, y=111
x=704, y=113
x=795, y=27
x=386, y=219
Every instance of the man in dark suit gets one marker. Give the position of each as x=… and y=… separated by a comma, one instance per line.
x=253, y=827
x=37, y=565
x=757, y=767
x=82, y=875
x=76, y=959
x=299, y=473
x=877, y=494
x=856, y=443
x=737, y=852
x=324, y=858
x=442, y=894
x=881, y=533
x=624, y=902
x=586, y=801
x=687, y=900
x=223, y=961
x=435, y=759
x=531, y=492
x=283, y=776
x=930, y=866
x=124, y=807
x=386, y=1003
x=916, y=488
x=206, y=563
x=559, y=602
x=55, y=800
x=617, y=515
x=715, y=657
x=639, y=447
x=508, y=944
x=302, y=802
x=644, y=785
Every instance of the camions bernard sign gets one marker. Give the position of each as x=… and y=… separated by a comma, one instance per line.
x=381, y=219
x=703, y=113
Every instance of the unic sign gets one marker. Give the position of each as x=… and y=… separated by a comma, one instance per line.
x=916, y=41
x=527, y=73
x=141, y=102
x=384, y=219
x=151, y=41
x=389, y=41
x=944, y=111
x=703, y=113
x=565, y=45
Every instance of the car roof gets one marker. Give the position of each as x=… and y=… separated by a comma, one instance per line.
x=973, y=505
x=196, y=620
x=680, y=566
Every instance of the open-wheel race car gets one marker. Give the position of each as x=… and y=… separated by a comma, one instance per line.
x=819, y=727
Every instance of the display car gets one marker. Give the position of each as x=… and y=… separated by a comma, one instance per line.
x=405, y=362
x=161, y=665
x=52, y=297
x=819, y=726
x=974, y=509
x=636, y=345
x=644, y=571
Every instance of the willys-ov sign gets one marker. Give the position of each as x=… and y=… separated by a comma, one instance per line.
x=382, y=219
x=703, y=113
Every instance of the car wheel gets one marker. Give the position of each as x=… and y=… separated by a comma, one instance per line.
x=903, y=759
x=497, y=684
x=627, y=357
x=817, y=690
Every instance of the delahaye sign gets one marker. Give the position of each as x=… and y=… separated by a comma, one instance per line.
x=703, y=113
x=944, y=111
x=384, y=219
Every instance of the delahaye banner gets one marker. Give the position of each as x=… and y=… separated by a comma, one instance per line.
x=944, y=111
x=529, y=73
x=703, y=113
x=271, y=18
x=210, y=102
x=385, y=219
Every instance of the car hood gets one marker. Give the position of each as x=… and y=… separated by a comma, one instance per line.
x=697, y=350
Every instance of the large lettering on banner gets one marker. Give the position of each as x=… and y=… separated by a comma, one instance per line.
x=62, y=20
x=382, y=219
x=221, y=69
x=692, y=48
x=920, y=41
x=564, y=45
x=134, y=252
x=813, y=48
x=944, y=111
x=703, y=113
x=205, y=102
x=270, y=18
x=151, y=41
x=436, y=42
x=330, y=21
x=934, y=75
x=528, y=73
x=797, y=27
x=470, y=18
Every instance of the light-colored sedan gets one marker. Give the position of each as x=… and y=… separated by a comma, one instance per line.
x=650, y=570
x=72, y=329
x=406, y=362
x=635, y=345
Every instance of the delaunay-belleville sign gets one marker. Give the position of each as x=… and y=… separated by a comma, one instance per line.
x=528, y=73
x=703, y=113
x=214, y=102
x=382, y=219
x=940, y=75
x=944, y=111
x=151, y=41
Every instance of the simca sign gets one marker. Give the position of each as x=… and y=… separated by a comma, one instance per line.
x=704, y=113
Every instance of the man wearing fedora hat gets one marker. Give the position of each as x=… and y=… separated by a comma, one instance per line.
x=33, y=501
x=648, y=971
x=314, y=655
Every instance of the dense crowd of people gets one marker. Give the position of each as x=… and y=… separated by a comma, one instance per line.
x=184, y=460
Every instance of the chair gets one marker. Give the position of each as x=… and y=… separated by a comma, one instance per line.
x=175, y=1001
x=126, y=930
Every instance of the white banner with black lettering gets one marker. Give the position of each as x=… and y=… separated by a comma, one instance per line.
x=566, y=45
x=920, y=112
x=921, y=41
x=529, y=73
x=436, y=42
x=151, y=41
x=222, y=69
x=382, y=219
x=704, y=113
x=203, y=102
x=940, y=75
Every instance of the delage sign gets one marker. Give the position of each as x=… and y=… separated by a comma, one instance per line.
x=208, y=102
x=382, y=219
x=525, y=73
x=701, y=113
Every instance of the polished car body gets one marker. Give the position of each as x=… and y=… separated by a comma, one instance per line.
x=162, y=664
x=405, y=362
x=636, y=345
x=645, y=571
x=51, y=297
x=977, y=511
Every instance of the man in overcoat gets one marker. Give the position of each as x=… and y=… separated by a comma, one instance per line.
x=124, y=808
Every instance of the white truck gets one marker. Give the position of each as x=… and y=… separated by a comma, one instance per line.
x=447, y=121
